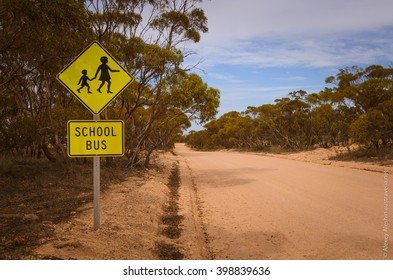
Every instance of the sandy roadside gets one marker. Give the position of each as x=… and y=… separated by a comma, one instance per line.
x=258, y=207
x=130, y=222
x=132, y=211
x=322, y=156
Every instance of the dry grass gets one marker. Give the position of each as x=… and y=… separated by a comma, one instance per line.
x=37, y=194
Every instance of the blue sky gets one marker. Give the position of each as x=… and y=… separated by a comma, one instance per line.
x=260, y=50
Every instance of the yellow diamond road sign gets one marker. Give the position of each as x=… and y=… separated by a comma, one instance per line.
x=95, y=138
x=95, y=78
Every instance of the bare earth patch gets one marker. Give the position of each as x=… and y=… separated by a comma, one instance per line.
x=326, y=157
x=130, y=218
x=47, y=212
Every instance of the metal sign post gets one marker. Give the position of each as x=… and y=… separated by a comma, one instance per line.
x=95, y=138
x=96, y=79
x=96, y=186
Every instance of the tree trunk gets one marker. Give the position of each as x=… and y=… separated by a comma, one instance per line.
x=47, y=153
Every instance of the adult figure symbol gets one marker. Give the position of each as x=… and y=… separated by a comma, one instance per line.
x=104, y=74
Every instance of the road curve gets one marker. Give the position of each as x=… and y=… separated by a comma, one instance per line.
x=258, y=207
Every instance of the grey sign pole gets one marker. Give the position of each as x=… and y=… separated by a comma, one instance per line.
x=121, y=80
x=96, y=186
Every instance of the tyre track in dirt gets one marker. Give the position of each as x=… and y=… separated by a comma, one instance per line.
x=196, y=239
x=183, y=231
x=154, y=216
x=254, y=207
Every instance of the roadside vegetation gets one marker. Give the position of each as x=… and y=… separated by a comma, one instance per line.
x=357, y=107
x=39, y=38
x=36, y=196
x=39, y=185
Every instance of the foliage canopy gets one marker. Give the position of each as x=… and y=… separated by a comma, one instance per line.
x=358, y=108
x=39, y=38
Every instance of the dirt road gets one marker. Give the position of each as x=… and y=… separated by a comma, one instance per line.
x=256, y=207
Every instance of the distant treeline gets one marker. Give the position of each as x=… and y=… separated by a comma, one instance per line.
x=39, y=38
x=357, y=108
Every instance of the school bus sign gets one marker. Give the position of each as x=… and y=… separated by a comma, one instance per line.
x=95, y=78
x=95, y=138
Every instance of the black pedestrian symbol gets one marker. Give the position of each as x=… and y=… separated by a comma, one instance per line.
x=83, y=81
x=104, y=75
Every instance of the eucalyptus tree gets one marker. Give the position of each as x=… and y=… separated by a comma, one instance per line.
x=39, y=38
x=367, y=96
x=35, y=38
x=146, y=37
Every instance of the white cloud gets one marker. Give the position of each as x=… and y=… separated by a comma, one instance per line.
x=277, y=18
x=223, y=77
x=299, y=40
x=311, y=33
x=290, y=78
x=310, y=53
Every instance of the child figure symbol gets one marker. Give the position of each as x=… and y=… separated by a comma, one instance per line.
x=83, y=81
x=104, y=75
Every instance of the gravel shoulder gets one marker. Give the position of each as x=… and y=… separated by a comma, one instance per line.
x=133, y=221
x=209, y=204
x=323, y=156
x=260, y=207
